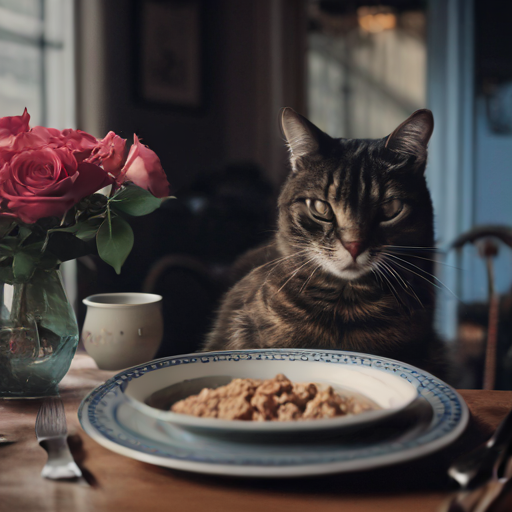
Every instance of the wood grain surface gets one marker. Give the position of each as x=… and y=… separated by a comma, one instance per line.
x=122, y=484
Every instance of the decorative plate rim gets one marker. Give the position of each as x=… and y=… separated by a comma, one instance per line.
x=442, y=430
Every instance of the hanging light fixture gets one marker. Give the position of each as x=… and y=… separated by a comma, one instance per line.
x=376, y=19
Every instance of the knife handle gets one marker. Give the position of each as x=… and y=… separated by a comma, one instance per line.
x=60, y=464
x=503, y=433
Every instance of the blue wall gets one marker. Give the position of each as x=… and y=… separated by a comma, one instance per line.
x=492, y=202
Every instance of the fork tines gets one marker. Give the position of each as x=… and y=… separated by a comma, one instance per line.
x=51, y=419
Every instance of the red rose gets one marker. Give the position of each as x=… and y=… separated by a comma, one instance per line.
x=44, y=171
x=32, y=139
x=79, y=142
x=144, y=169
x=15, y=136
x=47, y=182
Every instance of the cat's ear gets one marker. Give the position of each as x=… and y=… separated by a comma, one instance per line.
x=302, y=136
x=412, y=136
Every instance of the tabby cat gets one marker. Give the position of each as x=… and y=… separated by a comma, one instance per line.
x=349, y=266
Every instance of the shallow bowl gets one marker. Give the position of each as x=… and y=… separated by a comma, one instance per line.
x=154, y=387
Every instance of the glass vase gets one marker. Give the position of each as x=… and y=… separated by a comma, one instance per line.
x=38, y=336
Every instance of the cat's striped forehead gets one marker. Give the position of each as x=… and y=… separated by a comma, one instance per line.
x=355, y=181
x=351, y=174
x=350, y=186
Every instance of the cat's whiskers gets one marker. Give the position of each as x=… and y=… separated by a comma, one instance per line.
x=386, y=255
x=280, y=261
x=407, y=289
x=392, y=274
x=419, y=275
x=282, y=258
x=394, y=256
x=294, y=273
x=376, y=274
x=418, y=248
x=325, y=248
x=421, y=258
x=303, y=287
x=391, y=287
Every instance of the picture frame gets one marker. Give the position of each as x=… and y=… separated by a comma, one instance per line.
x=169, y=48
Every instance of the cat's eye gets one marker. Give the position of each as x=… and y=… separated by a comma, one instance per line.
x=320, y=209
x=392, y=208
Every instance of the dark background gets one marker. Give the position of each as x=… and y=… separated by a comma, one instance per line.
x=226, y=159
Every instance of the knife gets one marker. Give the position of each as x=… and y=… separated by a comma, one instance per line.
x=52, y=433
x=478, y=466
x=488, y=479
x=484, y=498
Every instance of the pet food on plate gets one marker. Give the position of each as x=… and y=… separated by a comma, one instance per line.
x=276, y=399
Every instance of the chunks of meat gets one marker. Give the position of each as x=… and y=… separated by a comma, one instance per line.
x=276, y=399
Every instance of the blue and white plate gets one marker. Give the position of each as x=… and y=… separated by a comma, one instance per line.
x=430, y=422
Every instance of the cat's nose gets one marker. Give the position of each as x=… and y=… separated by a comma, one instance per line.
x=354, y=248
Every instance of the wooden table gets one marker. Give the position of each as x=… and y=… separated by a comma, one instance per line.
x=123, y=484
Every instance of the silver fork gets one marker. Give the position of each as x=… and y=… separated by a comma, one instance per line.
x=52, y=433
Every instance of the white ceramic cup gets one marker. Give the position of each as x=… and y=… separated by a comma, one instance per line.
x=122, y=329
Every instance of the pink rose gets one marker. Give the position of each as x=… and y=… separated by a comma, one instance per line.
x=11, y=126
x=81, y=143
x=47, y=182
x=144, y=169
x=111, y=153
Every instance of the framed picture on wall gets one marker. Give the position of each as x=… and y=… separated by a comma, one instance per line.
x=169, y=70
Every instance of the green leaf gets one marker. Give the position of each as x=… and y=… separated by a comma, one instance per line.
x=24, y=233
x=32, y=256
x=44, y=260
x=69, y=229
x=23, y=266
x=97, y=202
x=135, y=201
x=114, y=241
x=88, y=230
x=84, y=230
x=7, y=248
x=6, y=226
